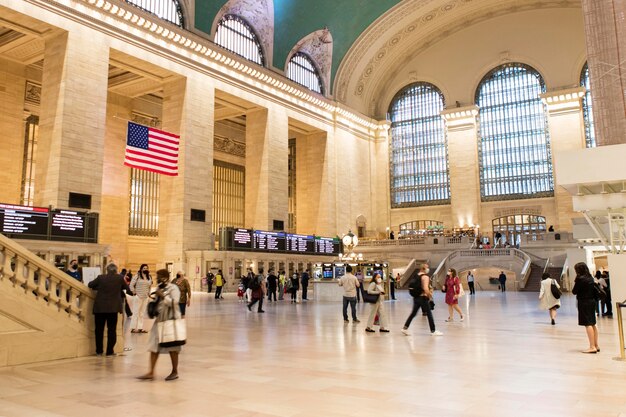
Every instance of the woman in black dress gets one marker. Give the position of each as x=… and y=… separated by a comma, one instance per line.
x=586, y=296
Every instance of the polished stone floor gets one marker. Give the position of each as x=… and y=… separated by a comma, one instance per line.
x=301, y=360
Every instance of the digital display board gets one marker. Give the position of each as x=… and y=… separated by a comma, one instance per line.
x=41, y=223
x=264, y=241
x=327, y=271
x=300, y=243
x=242, y=238
x=23, y=221
x=269, y=241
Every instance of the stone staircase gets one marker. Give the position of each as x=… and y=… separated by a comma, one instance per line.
x=534, y=280
x=44, y=313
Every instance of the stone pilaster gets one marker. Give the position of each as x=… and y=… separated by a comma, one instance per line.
x=72, y=125
x=462, y=160
x=566, y=125
x=605, y=31
x=267, y=133
x=188, y=107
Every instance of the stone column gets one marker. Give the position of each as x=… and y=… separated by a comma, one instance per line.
x=463, y=165
x=72, y=125
x=566, y=126
x=605, y=31
x=267, y=134
x=314, y=194
x=188, y=106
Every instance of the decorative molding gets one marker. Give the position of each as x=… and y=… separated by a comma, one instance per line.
x=563, y=101
x=259, y=14
x=145, y=119
x=319, y=46
x=460, y=118
x=229, y=146
x=512, y=211
x=32, y=93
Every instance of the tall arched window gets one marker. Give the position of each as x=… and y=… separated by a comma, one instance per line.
x=234, y=34
x=419, y=148
x=302, y=70
x=514, y=148
x=590, y=134
x=169, y=10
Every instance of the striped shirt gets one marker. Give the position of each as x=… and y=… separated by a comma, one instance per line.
x=140, y=286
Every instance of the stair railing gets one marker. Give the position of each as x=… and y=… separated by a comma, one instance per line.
x=37, y=278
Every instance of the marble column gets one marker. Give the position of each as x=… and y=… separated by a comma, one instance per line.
x=605, y=31
x=188, y=106
x=566, y=126
x=73, y=116
x=464, y=170
x=267, y=134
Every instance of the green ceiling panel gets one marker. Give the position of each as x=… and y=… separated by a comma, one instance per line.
x=294, y=19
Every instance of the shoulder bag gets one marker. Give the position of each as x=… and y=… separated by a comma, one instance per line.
x=370, y=298
x=554, y=289
x=172, y=332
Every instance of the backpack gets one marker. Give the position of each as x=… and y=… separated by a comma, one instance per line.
x=255, y=283
x=415, y=288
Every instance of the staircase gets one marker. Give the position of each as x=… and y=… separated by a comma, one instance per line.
x=534, y=280
x=44, y=313
x=410, y=273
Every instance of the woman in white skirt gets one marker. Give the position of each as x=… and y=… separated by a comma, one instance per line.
x=546, y=299
x=376, y=287
x=169, y=295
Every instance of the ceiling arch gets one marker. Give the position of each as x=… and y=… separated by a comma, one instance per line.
x=404, y=32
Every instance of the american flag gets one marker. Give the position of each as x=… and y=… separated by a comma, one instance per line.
x=151, y=149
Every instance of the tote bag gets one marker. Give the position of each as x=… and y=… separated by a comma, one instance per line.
x=172, y=332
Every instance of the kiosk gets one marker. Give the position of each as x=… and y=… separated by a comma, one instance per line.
x=326, y=276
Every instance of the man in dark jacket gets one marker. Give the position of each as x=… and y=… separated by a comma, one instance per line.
x=502, y=279
x=107, y=306
x=304, y=279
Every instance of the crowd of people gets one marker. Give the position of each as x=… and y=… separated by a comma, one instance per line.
x=135, y=295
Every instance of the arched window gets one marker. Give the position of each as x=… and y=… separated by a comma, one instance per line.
x=234, y=34
x=590, y=134
x=169, y=10
x=419, y=148
x=302, y=70
x=512, y=227
x=514, y=147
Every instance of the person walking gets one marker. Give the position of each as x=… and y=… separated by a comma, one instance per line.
x=452, y=287
x=128, y=316
x=350, y=286
x=304, y=279
x=107, y=305
x=376, y=287
x=247, y=281
x=272, y=285
x=584, y=289
x=209, y=281
x=281, y=285
x=546, y=299
x=220, y=281
x=606, y=305
x=392, y=285
x=470, y=282
x=422, y=295
x=168, y=296
x=359, y=277
x=140, y=286
x=185, y=292
x=257, y=285
x=294, y=287
x=502, y=280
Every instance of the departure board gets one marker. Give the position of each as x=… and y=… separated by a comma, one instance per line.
x=327, y=245
x=300, y=243
x=24, y=221
x=242, y=238
x=269, y=241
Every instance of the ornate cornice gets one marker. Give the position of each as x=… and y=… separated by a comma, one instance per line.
x=229, y=146
x=563, y=101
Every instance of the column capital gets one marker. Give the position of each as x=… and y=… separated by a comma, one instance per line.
x=563, y=101
x=460, y=118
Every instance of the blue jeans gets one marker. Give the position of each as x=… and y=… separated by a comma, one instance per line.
x=352, y=302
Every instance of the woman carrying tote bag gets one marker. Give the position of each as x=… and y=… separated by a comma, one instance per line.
x=167, y=309
x=376, y=287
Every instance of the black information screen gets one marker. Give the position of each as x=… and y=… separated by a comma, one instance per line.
x=327, y=271
x=24, y=221
x=67, y=224
x=269, y=241
x=300, y=243
x=242, y=238
x=326, y=245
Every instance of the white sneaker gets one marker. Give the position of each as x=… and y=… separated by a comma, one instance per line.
x=436, y=333
x=405, y=332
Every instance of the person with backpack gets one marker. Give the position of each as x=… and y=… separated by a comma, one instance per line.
x=547, y=300
x=587, y=299
x=220, y=281
x=422, y=295
x=257, y=287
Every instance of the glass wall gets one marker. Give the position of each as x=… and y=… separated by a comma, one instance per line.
x=590, y=134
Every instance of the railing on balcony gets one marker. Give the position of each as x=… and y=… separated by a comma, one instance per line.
x=40, y=280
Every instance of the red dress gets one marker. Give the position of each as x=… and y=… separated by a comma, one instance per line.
x=452, y=289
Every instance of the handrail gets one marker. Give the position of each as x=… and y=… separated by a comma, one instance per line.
x=39, y=279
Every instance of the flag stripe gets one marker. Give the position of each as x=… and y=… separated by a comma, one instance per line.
x=151, y=149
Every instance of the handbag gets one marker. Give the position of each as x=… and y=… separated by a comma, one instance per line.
x=554, y=289
x=153, y=308
x=370, y=298
x=172, y=332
